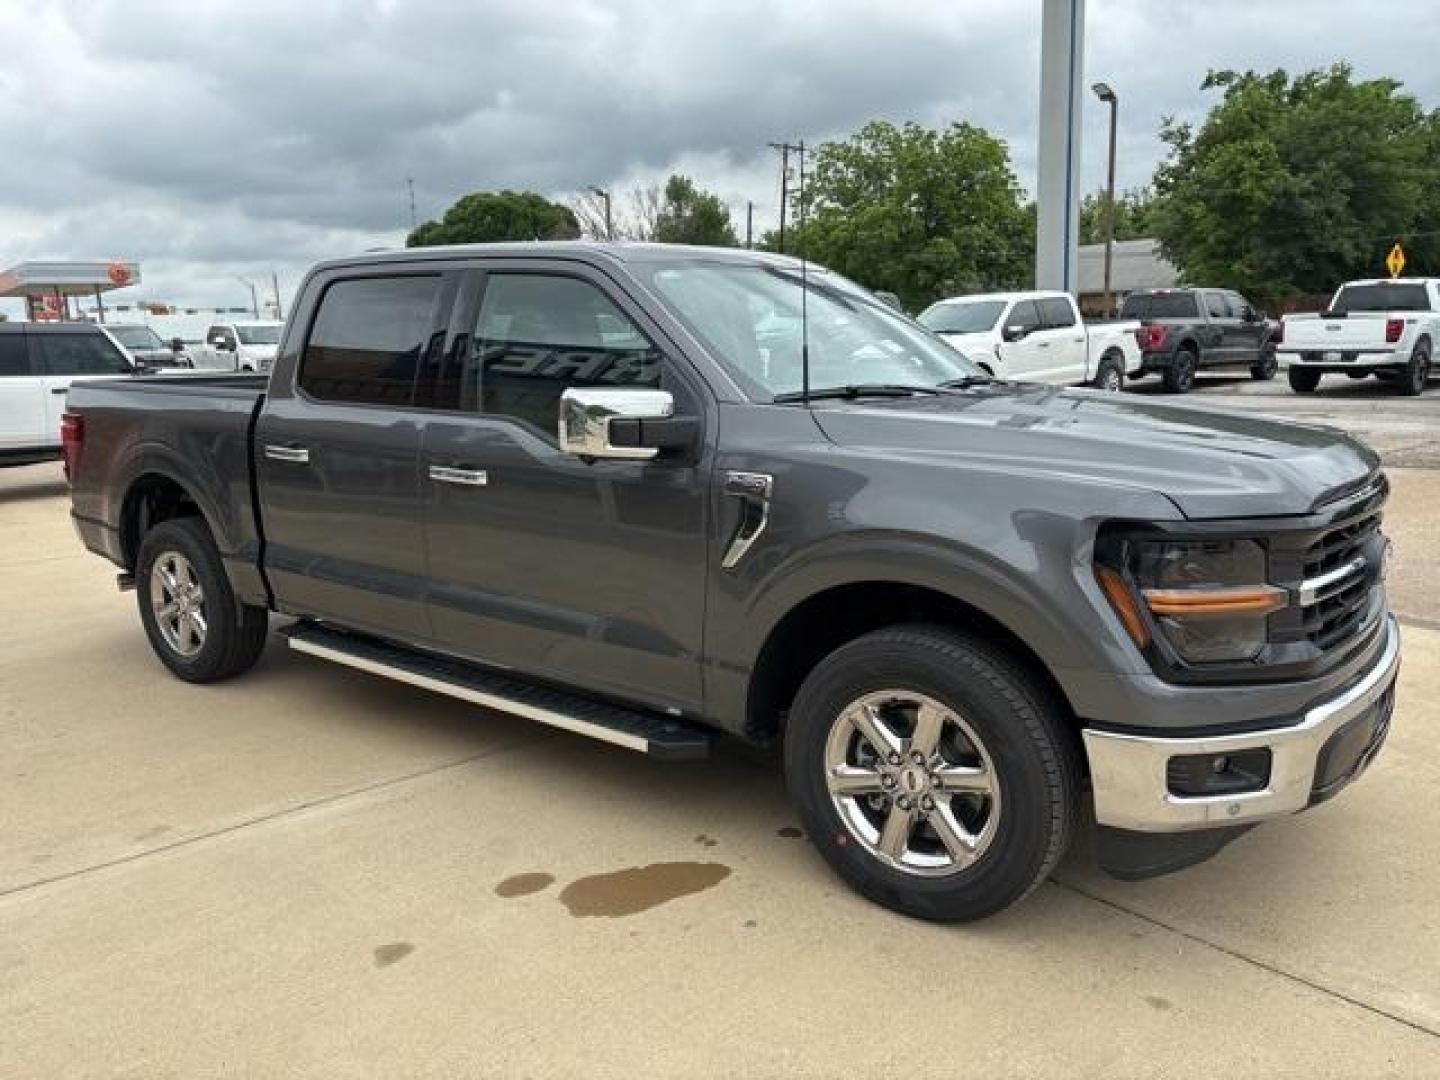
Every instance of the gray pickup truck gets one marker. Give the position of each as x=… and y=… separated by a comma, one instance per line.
x=654, y=494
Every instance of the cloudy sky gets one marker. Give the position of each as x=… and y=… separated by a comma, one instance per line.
x=209, y=138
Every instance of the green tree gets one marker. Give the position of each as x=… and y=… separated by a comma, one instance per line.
x=489, y=216
x=1132, y=216
x=915, y=211
x=691, y=215
x=1292, y=185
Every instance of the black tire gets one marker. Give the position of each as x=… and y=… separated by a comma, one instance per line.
x=1179, y=377
x=1417, y=372
x=1265, y=370
x=1021, y=726
x=1302, y=380
x=234, y=634
x=1110, y=375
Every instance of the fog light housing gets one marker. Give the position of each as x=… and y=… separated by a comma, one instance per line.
x=1192, y=775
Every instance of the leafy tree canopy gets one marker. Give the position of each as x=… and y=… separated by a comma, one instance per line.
x=690, y=215
x=1132, y=216
x=1293, y=184
x=918, y=212
x=490, y=216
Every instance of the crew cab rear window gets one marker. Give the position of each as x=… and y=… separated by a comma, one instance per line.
x=1057, y=312
x=1169, y=305
x=535, y=336
x=12, y=355
x=1407, y=296
x=79, y=354
x=367, y=340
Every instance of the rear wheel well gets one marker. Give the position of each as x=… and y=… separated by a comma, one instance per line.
x=821, y=624
x=152, y=498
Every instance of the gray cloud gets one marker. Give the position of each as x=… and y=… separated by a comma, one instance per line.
x=212, y=138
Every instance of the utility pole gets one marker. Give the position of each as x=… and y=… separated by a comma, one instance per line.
x=1107, y=95
x=749, y=223
x=410, y=186
x=785, y=148
x=254, y=296
x=275, y=284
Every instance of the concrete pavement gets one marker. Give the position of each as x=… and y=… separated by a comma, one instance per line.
x=309, y=871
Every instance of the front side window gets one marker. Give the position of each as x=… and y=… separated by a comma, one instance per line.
x=1215, y=305
x=79, y=354
x=537, y=335
x=368, y=337
x=1025, y=315
x=750, y=316
x=137, y=337
x=1057, y=312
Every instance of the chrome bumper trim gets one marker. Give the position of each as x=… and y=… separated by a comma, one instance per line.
x=1128, y=771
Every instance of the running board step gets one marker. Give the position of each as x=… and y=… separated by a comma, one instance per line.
x=649, y=733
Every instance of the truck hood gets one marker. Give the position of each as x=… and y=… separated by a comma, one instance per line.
x=978, y=341
x=1209, y=463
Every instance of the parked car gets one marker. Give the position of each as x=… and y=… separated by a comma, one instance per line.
x=1036, y=337
x=1382, y=327
x=146, y=348
x=1186, y=330
x=38, y=362
x=568, y=482
x=241, y=346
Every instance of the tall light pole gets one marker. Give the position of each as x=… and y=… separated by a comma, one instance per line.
x=254, y=296
x=603, y=194
x=1107, y=95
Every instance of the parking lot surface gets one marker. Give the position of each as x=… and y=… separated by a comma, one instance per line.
x=307, y=870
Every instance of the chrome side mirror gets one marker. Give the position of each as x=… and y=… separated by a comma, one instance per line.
x=587, y=413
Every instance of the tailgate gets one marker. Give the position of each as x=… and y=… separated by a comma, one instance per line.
x=1359, y=332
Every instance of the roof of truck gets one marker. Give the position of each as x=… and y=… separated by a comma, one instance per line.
x=589, y=250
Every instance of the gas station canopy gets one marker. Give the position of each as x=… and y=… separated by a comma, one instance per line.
x=45, y=285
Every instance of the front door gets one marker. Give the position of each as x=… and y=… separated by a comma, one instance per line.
x=590, y=573
x=1027, y=356
x=337, y=452
x=1065, y=349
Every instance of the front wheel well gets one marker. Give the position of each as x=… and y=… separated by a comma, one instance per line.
x=822, y=623
x=152, y=498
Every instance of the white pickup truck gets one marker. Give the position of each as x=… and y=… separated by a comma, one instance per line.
x=1383, y=327
x=1037, y=337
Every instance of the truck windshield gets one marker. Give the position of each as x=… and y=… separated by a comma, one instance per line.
x=749, y=315
x=1381, y=296
x=258, y=335
x=137, y=337
x=970, y=317
x=1160, y=305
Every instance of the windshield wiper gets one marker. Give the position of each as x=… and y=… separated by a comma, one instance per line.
x=967, y=381
x=857, y=390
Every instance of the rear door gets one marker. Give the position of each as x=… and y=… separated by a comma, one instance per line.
x=1025, y=357
x=587, y=572
x=1065, y=338
x=337, y=453
x=65, y=356
x=23, y=413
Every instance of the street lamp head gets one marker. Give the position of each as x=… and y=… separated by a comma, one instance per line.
x=599, y=191
x=1103, y=92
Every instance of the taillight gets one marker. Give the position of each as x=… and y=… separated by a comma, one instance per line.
x=1279, y=331
x=72, y=438
x=1151, y=337
x=1393, y=329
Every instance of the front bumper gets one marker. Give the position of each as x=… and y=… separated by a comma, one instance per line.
x=1331, y=745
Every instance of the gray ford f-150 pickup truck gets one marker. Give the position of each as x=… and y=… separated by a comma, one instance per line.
x=648, y=494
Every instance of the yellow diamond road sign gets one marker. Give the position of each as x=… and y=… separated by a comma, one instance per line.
x=1395, y=261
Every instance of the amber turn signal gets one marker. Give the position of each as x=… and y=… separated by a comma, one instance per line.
x=1123, y=601
x=1247, y=600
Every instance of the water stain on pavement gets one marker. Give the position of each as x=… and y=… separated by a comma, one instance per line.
x=639, y=888
x=790, y=832
x=1157, y=1002
x=706, y=841
x=396, y=951
x=524, y=884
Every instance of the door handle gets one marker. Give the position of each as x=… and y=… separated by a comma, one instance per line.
x=298, y=454
x=449, y=474
x=1042, y=344
x=59, y=389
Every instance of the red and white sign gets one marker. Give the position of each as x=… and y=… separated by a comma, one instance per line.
x=118, y=273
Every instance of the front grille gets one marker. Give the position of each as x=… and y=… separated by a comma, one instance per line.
x=1338, y=610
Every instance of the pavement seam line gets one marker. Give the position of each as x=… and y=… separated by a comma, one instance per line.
x=312, y=804
x=1253, y=961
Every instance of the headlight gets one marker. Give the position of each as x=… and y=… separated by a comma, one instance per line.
x=1208, y=599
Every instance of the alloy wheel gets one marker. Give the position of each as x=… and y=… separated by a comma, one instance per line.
x=178, y=602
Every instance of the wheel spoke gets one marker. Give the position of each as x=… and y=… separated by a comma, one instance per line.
x=850, y=780
x=958, y=841
x=866, y=720
x=895, y=837
x=929, y=723
x=197, y=628
x=172, y=584
x=959, y=779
